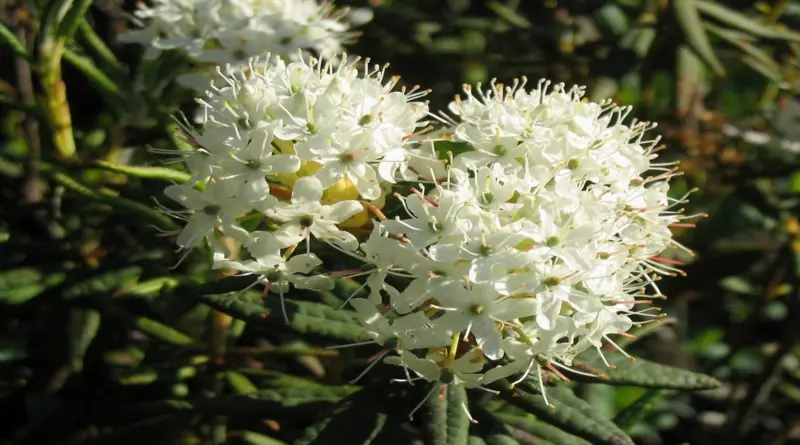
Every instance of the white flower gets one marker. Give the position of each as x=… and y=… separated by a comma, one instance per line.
x=214, y=208
x=233, y=30
x=348, y=122
x=384, y=255
x=306, y=216
x=430, y=220
x=538, y=240
x=413, y=331
x=276, y=273
x=479, y=310
x=465, y=370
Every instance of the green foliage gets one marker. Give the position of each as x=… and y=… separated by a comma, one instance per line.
x=688, y=17
x=636, y=411
x=449, y=421
x=565, y=411
x=639, y=372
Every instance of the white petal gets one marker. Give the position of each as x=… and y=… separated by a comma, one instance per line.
x=330, y=173
x=341, y=211
x=469, y=363
x=304, y=263
x=307, y=189
x=315, y=282
x=488, y=336
x=189, y=197
x=282, y=164
x=363, y=176
x=371, y=316
x=196, y=229
x=512, y=308
x=548, y=312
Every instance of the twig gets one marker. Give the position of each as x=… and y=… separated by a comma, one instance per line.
x=33, y=190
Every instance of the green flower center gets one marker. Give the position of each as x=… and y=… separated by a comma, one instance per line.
x=436, y=226
x=447, y=376
x=274, y=276
x=552, y=281
x=573, y=164
x=365, y=119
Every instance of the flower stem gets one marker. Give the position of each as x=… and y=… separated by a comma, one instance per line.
x=55, y=102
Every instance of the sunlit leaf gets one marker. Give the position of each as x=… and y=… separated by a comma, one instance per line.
x=691, y=24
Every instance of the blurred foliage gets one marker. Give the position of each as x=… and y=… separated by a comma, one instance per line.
x=102, y=341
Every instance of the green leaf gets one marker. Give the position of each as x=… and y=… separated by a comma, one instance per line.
x=147, y=172
x=272, y=403
x=367, y=417
x=240, y=383
x=641, y=373
x=500, y=438
x=690, y=86
x=304, y=316
x=16, y=278
x=611, y=19
x=24, y=283
x=226, y=285
x=151, y=287
x=102, y=283
x=541, y=430
x=134, y=208
x=162, y=332
x=639, y=40
x=254, y=438
x=794, y=182
x=567, y=412
x=265, y=378
x=7, y=37
x=490, y=428
x=690, y=23
x=83, y=327
x=448, y=423
x=102, y=51
x=760, y=67
x=73, y=18
x=508, y=14
x=743, y=22
x=766, y=64
x=636, y=411
x=146, y=376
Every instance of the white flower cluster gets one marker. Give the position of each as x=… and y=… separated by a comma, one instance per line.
x=324, y=136
x=231, y=31
x=540, y=240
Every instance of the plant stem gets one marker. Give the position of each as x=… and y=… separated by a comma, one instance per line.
x=220, y=323
x=34, y=186
x=55, y=102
